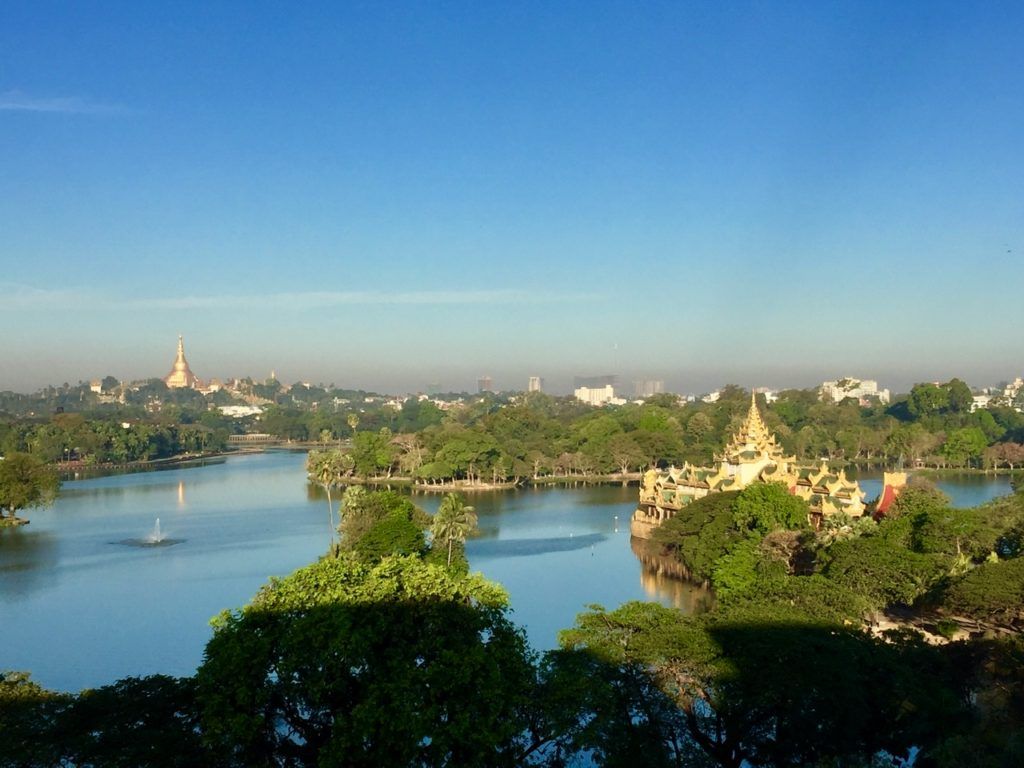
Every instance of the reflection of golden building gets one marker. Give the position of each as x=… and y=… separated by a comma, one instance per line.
x=752, y=455
x=662, y=576
x=181, y=375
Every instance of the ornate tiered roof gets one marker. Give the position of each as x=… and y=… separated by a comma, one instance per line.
x=753, y=441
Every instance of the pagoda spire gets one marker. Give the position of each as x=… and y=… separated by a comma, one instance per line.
x=181, y=375
x=755, y=424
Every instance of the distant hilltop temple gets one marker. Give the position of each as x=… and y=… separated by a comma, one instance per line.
x=181, y=375
x=752, y=456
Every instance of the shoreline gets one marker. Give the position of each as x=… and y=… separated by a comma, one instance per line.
x=76, y=470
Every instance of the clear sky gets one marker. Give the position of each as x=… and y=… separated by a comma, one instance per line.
x=383, y=195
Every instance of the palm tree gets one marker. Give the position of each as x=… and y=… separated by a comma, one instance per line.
x=453, y=522
x=324, y=467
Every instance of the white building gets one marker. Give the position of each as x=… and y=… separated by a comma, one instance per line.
x=598, y=395
x=240, y=411
x=1013, y=388
x=980, y=401
x=536, y=384
x=862, y=390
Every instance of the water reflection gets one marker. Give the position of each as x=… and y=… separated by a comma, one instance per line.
x=964, y=490
x=95, y=473
x=69, y=491
x=28, y=559
x=526, y=547
x=663, y=577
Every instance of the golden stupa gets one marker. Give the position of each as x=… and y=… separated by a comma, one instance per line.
x=181, y=375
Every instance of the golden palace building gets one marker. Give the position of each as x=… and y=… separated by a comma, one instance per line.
x=752, y=456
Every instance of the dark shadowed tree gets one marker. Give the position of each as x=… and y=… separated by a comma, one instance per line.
x=402, y=663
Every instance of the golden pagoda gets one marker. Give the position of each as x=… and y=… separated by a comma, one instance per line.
x=751, y=456
x=181, y=375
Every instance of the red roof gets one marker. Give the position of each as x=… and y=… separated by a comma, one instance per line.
x=885, y=501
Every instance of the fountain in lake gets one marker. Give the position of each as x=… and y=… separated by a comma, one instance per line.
x=155, y=539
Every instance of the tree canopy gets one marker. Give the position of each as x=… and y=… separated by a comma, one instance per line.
x=26, y=481
x=398, y=663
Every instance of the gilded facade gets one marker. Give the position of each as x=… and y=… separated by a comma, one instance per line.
x=751, y=456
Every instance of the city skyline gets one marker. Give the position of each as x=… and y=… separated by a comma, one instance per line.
x=384, y=197
x=512, y=382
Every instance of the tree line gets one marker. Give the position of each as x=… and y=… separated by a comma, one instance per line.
x=72, y=437
x=497, y=439
x=537, y=436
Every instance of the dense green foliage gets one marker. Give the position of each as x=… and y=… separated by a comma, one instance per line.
x=882, y=572
x=503, y=438
x=702, y=533
x=719, y=538
x=766, y=507
x=772, y=686
x=994, y=591
x=149, y=721
x=113, y=439
x=537, y=436
x=424, y=670
x=25, y=481
x=380, y=523
x=754, y=547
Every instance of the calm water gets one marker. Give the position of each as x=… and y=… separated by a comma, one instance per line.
x=80, y=608
x=963, y=490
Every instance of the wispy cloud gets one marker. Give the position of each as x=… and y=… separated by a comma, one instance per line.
x=16, y=101
x=17, y=296
x=23, y=297
x=321, y=299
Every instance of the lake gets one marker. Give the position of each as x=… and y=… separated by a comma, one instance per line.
x=79, y=607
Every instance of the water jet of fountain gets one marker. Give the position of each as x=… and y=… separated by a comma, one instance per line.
x=156, y=536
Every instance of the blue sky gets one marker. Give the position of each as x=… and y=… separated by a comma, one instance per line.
x=384, y=195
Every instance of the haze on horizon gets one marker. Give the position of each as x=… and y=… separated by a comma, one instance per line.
x=385, y=197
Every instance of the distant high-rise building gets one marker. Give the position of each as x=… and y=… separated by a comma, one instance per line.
x=536, y=384
x=648, y=387
x=863, y=390
x=484, y=384
x=594, y=382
